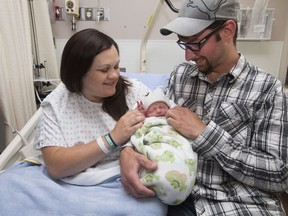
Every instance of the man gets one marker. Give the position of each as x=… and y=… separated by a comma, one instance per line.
x=235, y=112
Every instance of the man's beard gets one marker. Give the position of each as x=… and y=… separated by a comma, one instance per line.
x=206, y=68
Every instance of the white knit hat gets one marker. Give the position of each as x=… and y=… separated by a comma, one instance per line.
x=152, y=97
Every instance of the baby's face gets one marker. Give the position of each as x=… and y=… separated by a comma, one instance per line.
x=157, y=109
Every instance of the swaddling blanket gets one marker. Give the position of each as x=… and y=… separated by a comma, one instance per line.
x=175, y=177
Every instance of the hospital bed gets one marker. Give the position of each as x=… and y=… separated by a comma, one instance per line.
x=21, y=147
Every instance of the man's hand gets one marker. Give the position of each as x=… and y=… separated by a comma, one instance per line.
x=131, y=163
x=185, y=121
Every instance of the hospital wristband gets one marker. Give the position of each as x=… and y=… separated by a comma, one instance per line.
x=102, y=145
x=110, y=141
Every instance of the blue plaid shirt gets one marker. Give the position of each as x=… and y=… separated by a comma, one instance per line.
x=242, y=153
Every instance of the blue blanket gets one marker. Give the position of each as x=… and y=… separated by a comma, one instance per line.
x=27, y=189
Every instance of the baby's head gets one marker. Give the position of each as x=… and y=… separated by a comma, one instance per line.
x=156, y=103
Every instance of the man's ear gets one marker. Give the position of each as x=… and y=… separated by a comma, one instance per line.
x=229, y=30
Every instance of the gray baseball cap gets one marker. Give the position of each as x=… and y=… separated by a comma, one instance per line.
x=196, y=15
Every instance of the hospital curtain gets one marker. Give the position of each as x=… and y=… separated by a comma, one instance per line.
x=17, y=100
x=43, y=38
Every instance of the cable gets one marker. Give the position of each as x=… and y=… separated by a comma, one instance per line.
x=37, y=95
x=18, y=133
x=171, y=6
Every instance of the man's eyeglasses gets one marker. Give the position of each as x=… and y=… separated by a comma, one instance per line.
x=197, y=46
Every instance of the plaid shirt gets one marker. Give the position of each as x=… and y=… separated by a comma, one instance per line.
x=242, y=153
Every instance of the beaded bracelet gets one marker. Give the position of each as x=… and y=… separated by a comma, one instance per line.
x=110, y=141
x=102, y=145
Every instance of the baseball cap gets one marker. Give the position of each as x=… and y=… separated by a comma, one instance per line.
x=196, y=15
x=154, y=96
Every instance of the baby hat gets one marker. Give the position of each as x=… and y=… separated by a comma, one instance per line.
x=154, y=96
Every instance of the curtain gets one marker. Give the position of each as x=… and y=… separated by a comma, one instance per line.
x=17, y=98
x=42, y=11
x=26, y=41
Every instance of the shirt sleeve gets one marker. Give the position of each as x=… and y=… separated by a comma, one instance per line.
x=48, y=130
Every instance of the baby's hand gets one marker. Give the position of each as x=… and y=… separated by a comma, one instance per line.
x=140, y=107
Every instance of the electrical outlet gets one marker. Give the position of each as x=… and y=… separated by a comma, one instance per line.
x=82, y=14
x=100, y=14
x=72, y=7
x=106, y=14
x=88, y=14
x=94, y=14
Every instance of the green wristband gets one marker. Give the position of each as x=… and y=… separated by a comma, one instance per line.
x=110, y=141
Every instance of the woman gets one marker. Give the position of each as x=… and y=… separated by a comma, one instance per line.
x=84, y=122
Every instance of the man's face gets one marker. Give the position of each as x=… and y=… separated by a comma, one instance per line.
x=207, y=55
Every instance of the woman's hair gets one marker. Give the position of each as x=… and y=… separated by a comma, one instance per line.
x=77, y=59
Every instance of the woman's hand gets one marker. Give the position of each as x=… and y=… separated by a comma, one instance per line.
x=126, y=126
x=131, y=163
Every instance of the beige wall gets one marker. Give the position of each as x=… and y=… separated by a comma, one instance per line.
x=129, y=18
x=128, y=24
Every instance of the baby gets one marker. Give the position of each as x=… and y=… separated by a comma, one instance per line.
x=160, y=142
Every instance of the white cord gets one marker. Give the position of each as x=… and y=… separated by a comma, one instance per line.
x=37, y=95
x=18, y=133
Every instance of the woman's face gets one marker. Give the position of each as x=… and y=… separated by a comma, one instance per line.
x=100, y=81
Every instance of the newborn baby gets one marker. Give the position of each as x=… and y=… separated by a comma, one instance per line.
x=160, y=142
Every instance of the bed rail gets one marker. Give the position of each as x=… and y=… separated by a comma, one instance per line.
x=22, y=145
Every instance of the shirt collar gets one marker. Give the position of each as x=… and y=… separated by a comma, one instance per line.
x=233, y=74
x=238, y=68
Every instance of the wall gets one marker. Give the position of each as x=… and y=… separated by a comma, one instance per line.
x=129, y=18
x=129, y=23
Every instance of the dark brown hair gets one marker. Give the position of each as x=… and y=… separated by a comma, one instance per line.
x=77, y=58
